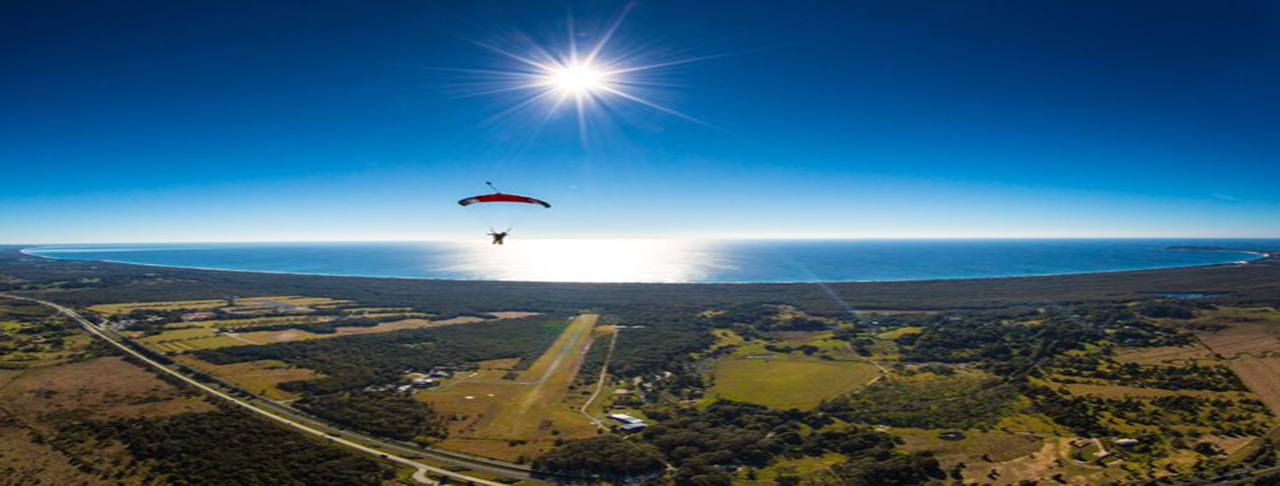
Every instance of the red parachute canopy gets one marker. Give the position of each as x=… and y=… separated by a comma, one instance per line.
x=500, y=197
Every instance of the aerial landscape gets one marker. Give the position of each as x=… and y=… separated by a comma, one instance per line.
x=640, y=243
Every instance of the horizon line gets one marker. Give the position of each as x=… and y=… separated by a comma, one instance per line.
x=685, y=238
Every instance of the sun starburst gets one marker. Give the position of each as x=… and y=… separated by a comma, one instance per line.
x=581, y=75
x=577, y=79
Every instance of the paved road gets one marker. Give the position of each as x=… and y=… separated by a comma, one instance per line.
x=422, y=470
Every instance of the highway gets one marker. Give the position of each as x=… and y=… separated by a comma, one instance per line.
x=291, y=418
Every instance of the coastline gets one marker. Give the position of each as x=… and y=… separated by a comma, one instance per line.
x=1261, y=256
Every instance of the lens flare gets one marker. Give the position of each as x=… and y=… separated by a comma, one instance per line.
x=578, y=79
x=583, y=76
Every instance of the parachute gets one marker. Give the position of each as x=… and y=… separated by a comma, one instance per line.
x=500, y=197
x=502, y=210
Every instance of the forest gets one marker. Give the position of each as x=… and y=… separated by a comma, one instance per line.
x=707, y=447
x=954, y=402
x=380, y=414
x=226, y=447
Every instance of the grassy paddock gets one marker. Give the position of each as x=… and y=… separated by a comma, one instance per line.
x=1262, y=375
x=1248, y=338
x=785, y=381
x=257, y=376
x=1162, y=355
x=242, y=303
x=126, y=308
x=998, y=446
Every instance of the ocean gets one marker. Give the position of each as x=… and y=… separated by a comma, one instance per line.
x=676, y=261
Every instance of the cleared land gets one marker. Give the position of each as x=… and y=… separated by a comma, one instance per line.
x=1234, y=331
x=509, y=418
x=804, y=467
x=998, y=446
x=259, y=377
x=165, y=306
x=899, y=332
x=1249, y=340
x=36, y=403
x=1262, y=375
x=1119, y=391
x=248, y=305
x=108, y=387
x=269, y=337
x=211, y=337
x=786, y=381
x=1176, y=355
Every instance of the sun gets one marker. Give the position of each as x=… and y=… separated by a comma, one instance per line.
x=577, y=79
x=583, y=76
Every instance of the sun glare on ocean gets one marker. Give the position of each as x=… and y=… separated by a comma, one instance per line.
x=585, y=260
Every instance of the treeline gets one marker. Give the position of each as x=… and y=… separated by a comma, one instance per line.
x=608, y=456
x=355, y=362
x=593, y=361
x=22, y=309
x=382, y=415
x=962, y=402
x=1188, y=377
x=668, y=337
x=323, y=327
x=751, y=319
x=226, y=448
x=1067, y=343
x=879, y=470
x=708, y=447
x=1085, y=414
x=1005, y=342
x=154, y=321
x=1171, y=309
x=39, y=330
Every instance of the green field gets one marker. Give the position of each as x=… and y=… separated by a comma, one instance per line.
x=785, y=381
x=899, y=332
x=189, y=339
x=244, y=305
x=258, y=321
x=161, y=306
x=996, y=445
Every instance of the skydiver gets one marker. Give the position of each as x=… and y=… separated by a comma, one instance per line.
x=498, y=237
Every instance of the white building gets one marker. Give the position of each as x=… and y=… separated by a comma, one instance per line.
x=425, y=382
x=626, y=419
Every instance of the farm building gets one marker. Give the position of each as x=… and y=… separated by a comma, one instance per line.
x=636, y=427
x=425, y=382
x=626, y=419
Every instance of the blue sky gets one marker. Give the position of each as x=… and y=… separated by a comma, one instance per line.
x=176, y=121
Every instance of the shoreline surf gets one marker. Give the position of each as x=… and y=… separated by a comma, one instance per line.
x=1259, y=256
